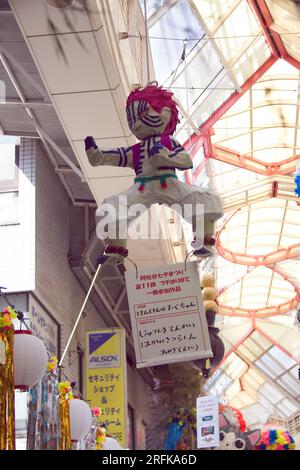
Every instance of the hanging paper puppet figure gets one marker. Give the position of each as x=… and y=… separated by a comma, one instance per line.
x=232, y=438
x=152, y=117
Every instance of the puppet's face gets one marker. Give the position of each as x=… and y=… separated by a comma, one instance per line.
x=144, y=122
x=229, y=441
x=231, y=438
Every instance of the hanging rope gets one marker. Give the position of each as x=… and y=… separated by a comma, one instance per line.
x=147, y=41
x=174, y=73
x=79, y=316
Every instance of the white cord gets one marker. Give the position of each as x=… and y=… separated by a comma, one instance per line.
x=147, y=39
x=79, y=315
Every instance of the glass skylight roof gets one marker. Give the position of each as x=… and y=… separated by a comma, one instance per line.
x=219, y=57
x=244, y=100
x=263, y=125
x=267, y=377
x=285, y=21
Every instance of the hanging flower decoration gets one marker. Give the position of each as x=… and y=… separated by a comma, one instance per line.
x=276, y=439
x=101, y=435
x=7, y=403
x=65, y=391
x=184, y=418
x=52, y=364
x=7, y=316
x=96, y=412
x=65, y=395
x=234, y=416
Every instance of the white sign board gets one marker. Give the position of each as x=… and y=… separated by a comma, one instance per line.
x=208, y=434
x=43, y=326
x=167, y=315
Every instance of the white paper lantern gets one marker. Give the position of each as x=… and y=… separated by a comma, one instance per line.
x=112, y=444
x=30, y=359
x=80, y=419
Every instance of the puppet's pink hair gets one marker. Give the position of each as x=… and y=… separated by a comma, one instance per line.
x=157, y=98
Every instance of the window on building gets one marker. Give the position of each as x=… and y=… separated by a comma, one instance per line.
x=21, y=414
x=9, y=161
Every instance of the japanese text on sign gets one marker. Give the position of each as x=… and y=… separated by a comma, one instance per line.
x=106, y=379
x=43, y=326
x=208, y=422
x=168, y=323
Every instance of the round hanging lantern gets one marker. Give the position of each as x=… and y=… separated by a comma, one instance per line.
x=80, y=419
x=210, y=305
x=111, y=444
x=30, y=359
x=207, y=280
x=209, y=293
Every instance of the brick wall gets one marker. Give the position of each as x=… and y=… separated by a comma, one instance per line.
x=56, y=285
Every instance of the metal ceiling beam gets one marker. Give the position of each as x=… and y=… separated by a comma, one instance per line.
x=273, y=45
x=264, y=104
x=263, y=312
x=84, y=203
x=64, y=169
x=166, y=6
x=47, y=141
x=25, y=104
x=268, y=24
x=267, y=378
x=229, y=10
x=58, y=150
x=44, y=137
x=26, y=135
x=120, y=300
x=235, y=346
x=216, y=115
x=276, y=343
x=247, y=162
x=23, y=71
x=250, y=131
x=217, y=50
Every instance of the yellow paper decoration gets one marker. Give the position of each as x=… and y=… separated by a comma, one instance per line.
x=65, y=395
x=207, y=280
x=209, y=293
x=52, y=364
x=7, y=396
x=100, y=437
x=210, y=305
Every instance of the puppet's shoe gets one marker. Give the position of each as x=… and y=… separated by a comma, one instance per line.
x=203, y=252
x=90, y=143
x=113, y=255
x=208, y=240
x=197, y=244
x=110, y=260
x=102, y=259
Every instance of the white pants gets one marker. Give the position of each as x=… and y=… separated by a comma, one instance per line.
x=193, y=203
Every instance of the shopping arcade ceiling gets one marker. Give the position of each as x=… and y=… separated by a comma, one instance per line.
x=228, y=62
x=237, y=83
